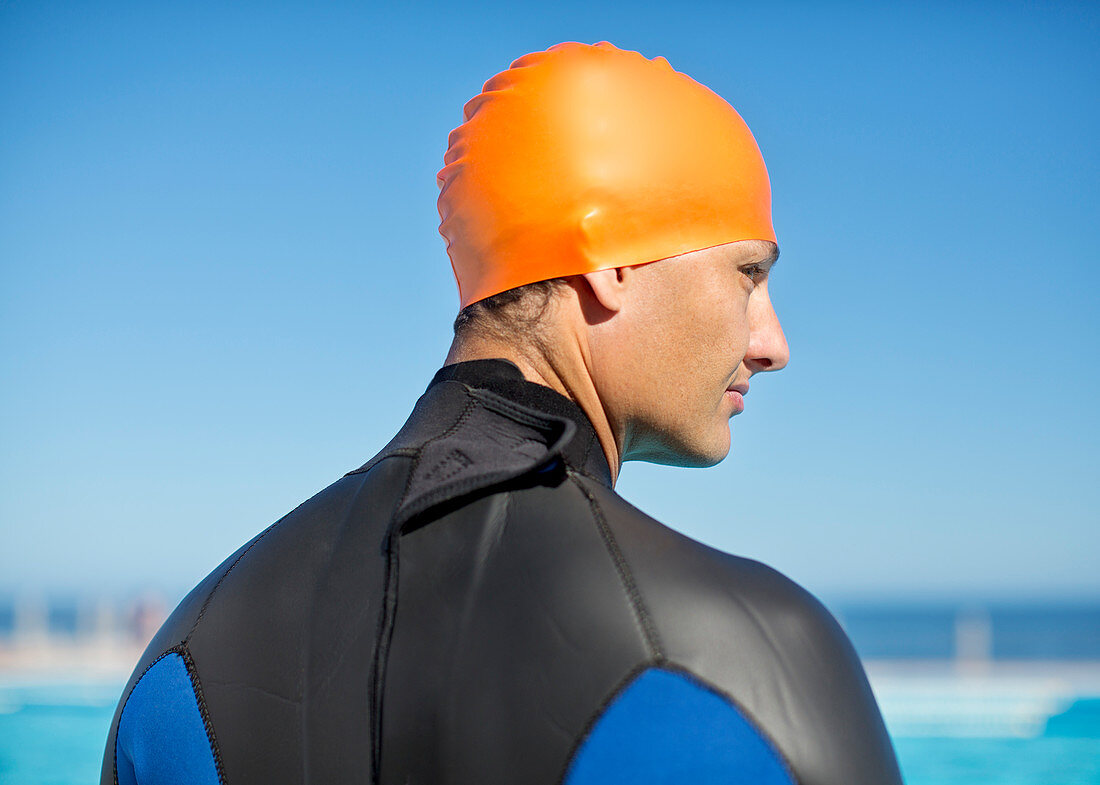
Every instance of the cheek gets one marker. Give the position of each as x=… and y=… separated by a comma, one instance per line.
x=725, y=337
x=739, y=337
x=737, y=326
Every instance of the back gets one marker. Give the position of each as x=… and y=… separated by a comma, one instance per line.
x=477, y=605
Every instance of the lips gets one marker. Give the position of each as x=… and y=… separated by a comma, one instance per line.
x=736, y=394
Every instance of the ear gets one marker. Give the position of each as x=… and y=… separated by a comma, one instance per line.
x=609, y=286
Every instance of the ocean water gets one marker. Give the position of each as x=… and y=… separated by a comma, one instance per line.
x=1050, y=631
x=54, y=735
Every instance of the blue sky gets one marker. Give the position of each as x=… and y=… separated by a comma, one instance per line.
x=222, y=286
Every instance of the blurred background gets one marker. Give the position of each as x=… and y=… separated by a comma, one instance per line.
x=222, y=287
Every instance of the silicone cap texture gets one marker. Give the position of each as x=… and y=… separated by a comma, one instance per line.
x=588, y=157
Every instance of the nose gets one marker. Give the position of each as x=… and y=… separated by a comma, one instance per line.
x=768, y=350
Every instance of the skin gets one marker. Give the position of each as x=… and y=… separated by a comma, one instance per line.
x=658, y=355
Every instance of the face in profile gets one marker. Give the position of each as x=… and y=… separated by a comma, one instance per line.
x=676, y=360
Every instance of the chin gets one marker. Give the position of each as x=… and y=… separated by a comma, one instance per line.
x=697, y=453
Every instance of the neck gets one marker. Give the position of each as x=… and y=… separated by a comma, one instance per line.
x=564, y=371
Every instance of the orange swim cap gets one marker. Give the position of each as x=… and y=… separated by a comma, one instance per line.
x=584, y=158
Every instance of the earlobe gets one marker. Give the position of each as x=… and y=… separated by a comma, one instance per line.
x=608, y=287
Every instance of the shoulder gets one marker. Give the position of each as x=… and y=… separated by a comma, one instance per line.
x=291, y=550
x=741, y=630
x=696, y=592
x=237, y=638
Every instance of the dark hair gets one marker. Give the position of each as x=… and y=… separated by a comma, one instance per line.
x=509, y=313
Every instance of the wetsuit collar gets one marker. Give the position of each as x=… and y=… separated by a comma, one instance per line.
x=583, y=453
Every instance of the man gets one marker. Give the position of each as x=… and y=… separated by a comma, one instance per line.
x=476, y=604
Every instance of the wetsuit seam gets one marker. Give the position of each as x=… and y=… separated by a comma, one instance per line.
x=671, y=667
x=587, y=452
x=188, y=664
x=210, y=597
x=389, y=596
x=626, y=576
x=126, y=700
x=582, y=466
x=396, y=452
x=502, y=405
x=597, y=714
x=204, y=712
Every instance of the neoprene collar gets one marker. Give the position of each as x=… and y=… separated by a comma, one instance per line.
x=583, y=453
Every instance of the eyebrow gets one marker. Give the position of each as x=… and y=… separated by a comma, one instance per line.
x=770, y=260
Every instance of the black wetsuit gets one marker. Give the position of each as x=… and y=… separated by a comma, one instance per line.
x=476, y=605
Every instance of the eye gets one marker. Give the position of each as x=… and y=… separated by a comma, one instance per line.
x=756, y=272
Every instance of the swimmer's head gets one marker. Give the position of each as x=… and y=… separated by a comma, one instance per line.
x=609, y=224
x=584, y=158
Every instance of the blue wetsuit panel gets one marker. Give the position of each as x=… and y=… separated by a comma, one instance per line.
x=161, y=736
x=667, y=728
